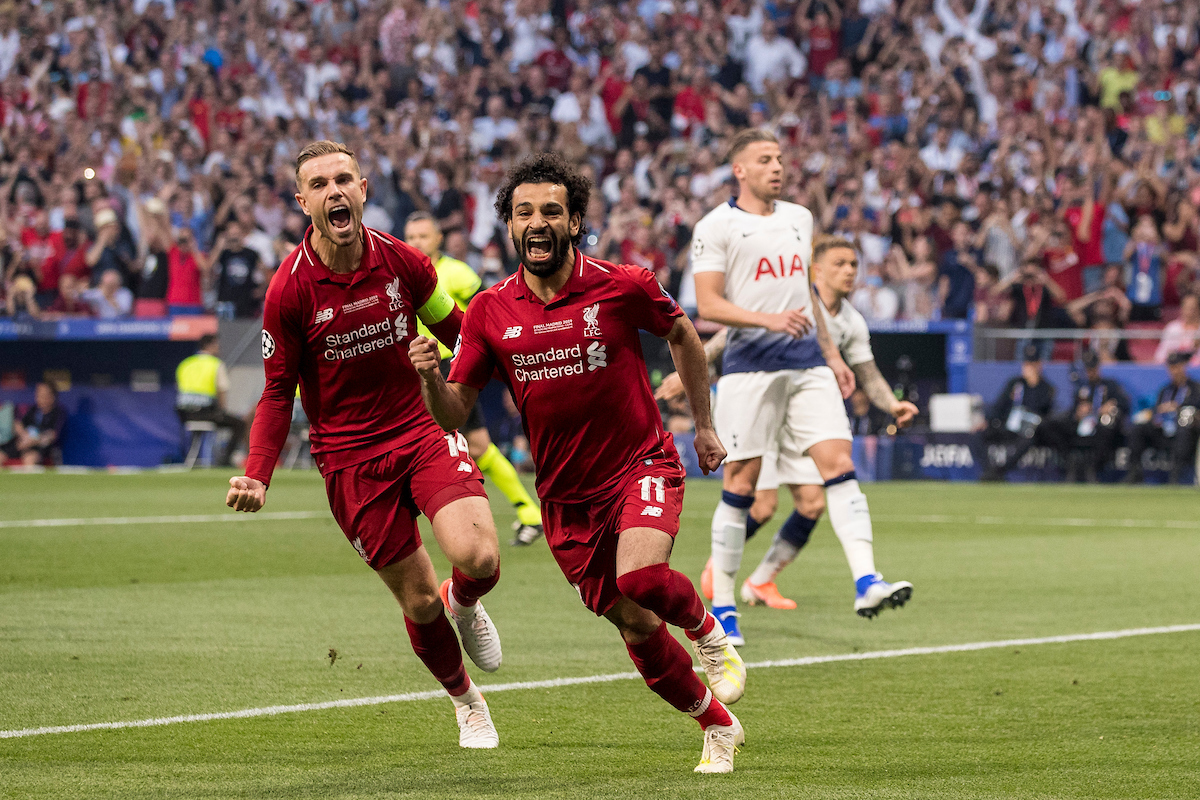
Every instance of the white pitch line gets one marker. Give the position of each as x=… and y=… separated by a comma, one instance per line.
x=231, y=516
x=555, y=683
x=1044, y=522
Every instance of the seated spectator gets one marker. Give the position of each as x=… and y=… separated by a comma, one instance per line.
x=109, y=299
x=1182, y=335
x=1144, y=264
x=21, y=298
x=1170, y=425
x=70, y=302
x=202, y=384
x=1021, y=415
x=39, y=430
x=1092, y=429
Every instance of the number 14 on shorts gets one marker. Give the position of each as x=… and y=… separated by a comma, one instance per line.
x=458, y=449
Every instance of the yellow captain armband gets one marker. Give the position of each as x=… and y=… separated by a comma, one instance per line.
x=437, y=308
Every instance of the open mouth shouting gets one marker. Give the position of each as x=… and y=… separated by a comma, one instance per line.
x=340, y=218
x=539, y=248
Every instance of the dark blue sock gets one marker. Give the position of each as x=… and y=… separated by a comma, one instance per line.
x=796, y=529
x=737, y=500
x=752, y=526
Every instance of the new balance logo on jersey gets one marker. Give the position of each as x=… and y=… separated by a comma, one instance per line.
x=463, y=466
x=652, y=511
x=393, y=293
x=512, y=332
x=324, y=315
x=591, y=328
x=597, y=356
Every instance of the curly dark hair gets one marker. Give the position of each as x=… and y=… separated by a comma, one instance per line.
x=547, y=168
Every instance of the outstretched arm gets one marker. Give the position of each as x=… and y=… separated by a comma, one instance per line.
x=449, y=403
x=876, y=387
x=692, y=366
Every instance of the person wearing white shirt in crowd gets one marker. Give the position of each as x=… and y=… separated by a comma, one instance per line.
x=1182, y=335
x=594, y=130
x=494, y=127
x=940, y=155
x=771, y=57
x=743, y=21
x=109, y=300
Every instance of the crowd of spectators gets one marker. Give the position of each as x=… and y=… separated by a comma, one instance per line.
x=1033, y=163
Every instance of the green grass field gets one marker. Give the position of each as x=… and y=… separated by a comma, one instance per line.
x=125, y=622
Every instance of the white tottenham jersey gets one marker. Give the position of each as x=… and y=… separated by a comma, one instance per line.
x=765, y=261
x=848, y=330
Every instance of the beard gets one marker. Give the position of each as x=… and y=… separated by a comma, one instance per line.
x=558, y=254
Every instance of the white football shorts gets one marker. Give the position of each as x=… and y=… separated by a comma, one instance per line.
x=776, y=472
x=791, y=410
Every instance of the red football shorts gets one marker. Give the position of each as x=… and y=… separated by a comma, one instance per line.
x=583, y=536
x=376, y=502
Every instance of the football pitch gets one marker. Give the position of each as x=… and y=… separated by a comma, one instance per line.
x=134, y=598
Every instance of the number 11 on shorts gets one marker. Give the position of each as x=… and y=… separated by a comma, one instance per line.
x=659, y=484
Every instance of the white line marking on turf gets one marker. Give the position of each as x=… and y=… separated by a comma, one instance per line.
x=166, y=520
x=555, y=683
x=1043, y=522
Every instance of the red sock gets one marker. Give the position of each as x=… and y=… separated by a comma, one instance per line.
x=705, y=628
x=667, y=593
x=468, y=590
x=667, y=668
x=436, y=644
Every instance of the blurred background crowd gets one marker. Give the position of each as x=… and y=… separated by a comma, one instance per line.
x=1025, y=163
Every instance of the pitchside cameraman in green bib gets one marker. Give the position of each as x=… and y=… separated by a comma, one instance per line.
x=461, y=282
x=202, y=384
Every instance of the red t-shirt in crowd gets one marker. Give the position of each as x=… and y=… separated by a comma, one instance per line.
x=823, y=47
x=74, y=262
x=689, y=104
x=44, y=254
x=345, y=339
x=653, y=259
x=1091, y=252
x=1065, y=269
x=576, y=372
x=183, y=278
x=610, y=93
x=558, y=67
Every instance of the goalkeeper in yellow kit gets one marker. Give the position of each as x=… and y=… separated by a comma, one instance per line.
x=461, y=282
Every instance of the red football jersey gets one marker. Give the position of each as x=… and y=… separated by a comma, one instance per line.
x=345, y=339
x=576, y=371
